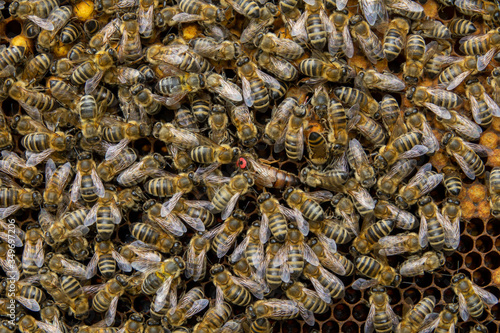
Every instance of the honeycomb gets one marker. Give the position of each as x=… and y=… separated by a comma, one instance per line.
x=477, y=255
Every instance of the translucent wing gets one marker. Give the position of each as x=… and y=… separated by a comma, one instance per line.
x=462, y=307
x=226, y=212
x=264, y=232
x=185, y=18
x=28, y=303
x=369, y=327
x=114, y=150
x=467, y=127
x=99, y=187
x=322, y=291
x=247, y=92
x=438, y=110
x=37, y=158
x=456, y=81
x=121, y=262
x=268, y=79
x=372, y=10
x=495, y=110
x=197, y=306
x=361, y=284
x=466, y=168
x=486, y=296
x=299, y=27
x=341, y=4
x=111, y=313
x=228, y=90
x=254, y=287
x=451, y=231
x=484, y=60
x=169, y=205
x=45, y=24
x=422, y=232
x=162, y=293
x=75, y=189
x=93, y=82
x=91, y=269
x=309, y=255
x=240, y=250
x=363, y=197
x=306, y=314
x=145, y=19
x=224, y=247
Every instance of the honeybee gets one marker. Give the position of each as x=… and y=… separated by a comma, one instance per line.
x=304, y=206
x=226, y=233
x=405, y=146
x=277, y=66
x=272, y=218
x=214, y=318
x=417, y=56
x=358, y=161
x=33, y=10
x=180, y=138
x=431, y=29
x=223, y=154
x=108, y=169
x=436, y=100
x=418, y=316
x=404, y=219
x=486, y=9
x=326, y=284
x=227, y=196
x=370, y=234
x=479, y=328
x=87, y=182
x=381, y=317
x=33, y=254
x=463, y=126
x=494, y=82
x=164, y=17
x=308, y=301
x=273, y=308
x=381, y=81
x=334, y=261
x=57, y=179
x=150, y=237
x=290, y=257
x=446, y=320
x=466, y=154
x=9, y=57
x=130, y=44
x=218, y=122
x=64, y=93
x=419, y=185
x=210, y=48
x=61, y=264
x=196, y=260
x=51, y=26
x=340, y=36
x=106, y=258
x=32, y=101
x=294, y=137
x=472, y=300
x=251, y=248
x=58, y=229
x=388, y=184
x=345, y=209
x=485, y=46
x=41, y=145
x=233, y=289
x=149, y=166
x=379, y=272
x=362, y=33
x=106, y=299
x=15, y=198
x=435, y=228
x=176, y=57
x=358, y=100
x=417, y=265
x=199, y=11
x=395, y=38
x=5, y=136
x=482, y=105
x=16, y=167
x=322, y=71
x=403, y=243
x=416, y=121
x=459, y=70
x=271, y=44
x=145, y=18
x=434, y=64
x=190, y=304
x=36, y=68
x=92, y=71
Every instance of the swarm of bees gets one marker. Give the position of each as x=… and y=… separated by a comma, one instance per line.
x=248, y=166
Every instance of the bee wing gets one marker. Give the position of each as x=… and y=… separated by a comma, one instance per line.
x=361, y=284
x=321, y=291
x=407, y=5
x=398, y=167
x=236, y=6
x=281, y=256
x=369, y=327
x=109, y=318
x=438, y=110
x=366, y=45
x=462, y=307
x=121, y=261
x=39, y=253
x=254, y=287
x=363, y=197
x=197, y=306
x=484, y=60
x=172, y=224
x=193, y=222
x=45, y=24
x=73, y=270
x=422, y=232
x=306, y=314
x=219, y=297
x=49, y=328
x=451, y=231
x=358, y=155
x=456, y=81
x=467, y=127
x=93, y=82
x=430, y=325
x=169, y=205
x=50, y=168
x=293, y=214
x=309, y=255
x=341, y=4
x=228, y=90
x=28, y=303
x=115, y=150
x=299, y=27
x=36, y=158
x=145, y=19
x=99, y=187
x=392, y=315
x=268, y=79
x=13, y=237
x=224, y=247
x=186, y=18
x=495, y=110
x=469, y=172
x=91, y=269
x=226, y=212
x=162, y=293
x=429, y=139
x=329, y=244
x=6, y=212
x=486, y=296
x=145, y=266
x=199, y=264
x=264, y=232
x=371, y=10
x=476, y=110
x=247, y=92
x=240, y=250
x=408, y=267
x=75, y=189
x=468, y=5
x=266, y=175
